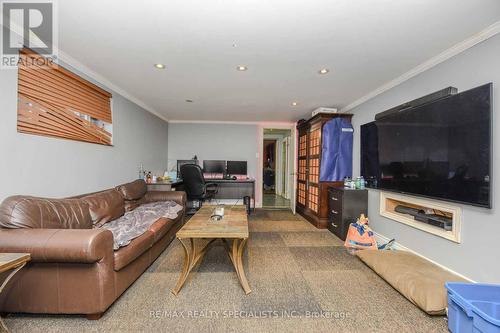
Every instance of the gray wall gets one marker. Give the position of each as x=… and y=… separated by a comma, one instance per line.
x=213, y=142
x=477, y=256
x=54, y=167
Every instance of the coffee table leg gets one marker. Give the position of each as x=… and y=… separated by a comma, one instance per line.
x=237, y=255
x=188, y=260
x=191, y=258
x=3, y=328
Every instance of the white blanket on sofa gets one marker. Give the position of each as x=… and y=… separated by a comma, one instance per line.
x=136, y=222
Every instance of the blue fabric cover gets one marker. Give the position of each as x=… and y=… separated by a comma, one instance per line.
x=336, y=157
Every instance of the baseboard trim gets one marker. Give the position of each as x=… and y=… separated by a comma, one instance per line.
x=397, y=246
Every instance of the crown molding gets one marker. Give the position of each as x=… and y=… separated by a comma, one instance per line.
x=468, y=43
x=67, y=59
x=223, y=122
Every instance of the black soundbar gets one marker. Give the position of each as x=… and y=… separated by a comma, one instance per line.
x=435, y=220
x=435, y=96
x=432, y=219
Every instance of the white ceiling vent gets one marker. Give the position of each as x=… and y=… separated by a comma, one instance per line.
x=324, y=110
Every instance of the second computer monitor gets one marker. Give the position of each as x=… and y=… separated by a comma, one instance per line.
x=183, y=162
x=236, y=167
x=214, y=166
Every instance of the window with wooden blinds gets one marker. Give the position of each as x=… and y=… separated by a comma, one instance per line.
x=53, y=101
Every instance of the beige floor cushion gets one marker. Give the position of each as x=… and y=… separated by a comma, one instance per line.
x=419, y=280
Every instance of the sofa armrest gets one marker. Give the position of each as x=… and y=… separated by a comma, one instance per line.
x=59, y=245
x=177, y=196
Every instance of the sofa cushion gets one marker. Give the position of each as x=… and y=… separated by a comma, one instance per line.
x=31, y=212
x=134, y=190
x=416, y=278
x=133, y=224
x=133, y=204
x=161, y=227
x=105, y=206
x=132, y=251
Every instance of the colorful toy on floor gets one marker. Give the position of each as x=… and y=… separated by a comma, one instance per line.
x=388, y=246
x=360, y=236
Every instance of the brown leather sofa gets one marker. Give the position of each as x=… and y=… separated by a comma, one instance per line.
x=74, y=269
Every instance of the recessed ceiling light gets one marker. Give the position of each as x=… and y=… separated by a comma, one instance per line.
x=323, y=71
x=295, y=103
x=242, y=68
x=189, y=100
x=160, y=66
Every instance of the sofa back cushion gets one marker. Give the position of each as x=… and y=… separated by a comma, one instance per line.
x=42, y=213
x=134, y=190
x=105, y=206
x=133, y=193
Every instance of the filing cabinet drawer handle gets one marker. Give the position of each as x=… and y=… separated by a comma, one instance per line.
x=334, y=211
x=334, y=225
x=335, y=199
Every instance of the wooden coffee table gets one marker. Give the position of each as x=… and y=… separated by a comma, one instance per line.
x=14, y=262
x=232, y=230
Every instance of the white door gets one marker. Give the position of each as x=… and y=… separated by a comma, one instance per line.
x=292, y=166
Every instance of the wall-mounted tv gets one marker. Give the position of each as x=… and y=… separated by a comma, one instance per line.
x=439, y=150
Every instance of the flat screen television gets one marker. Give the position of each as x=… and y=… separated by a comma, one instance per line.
x=439, y=150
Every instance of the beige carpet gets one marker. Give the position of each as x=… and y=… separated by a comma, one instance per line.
x=302, y=280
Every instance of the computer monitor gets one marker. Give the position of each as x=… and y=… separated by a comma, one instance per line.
x=184, y=162
x=236, y=167
x=214, y=166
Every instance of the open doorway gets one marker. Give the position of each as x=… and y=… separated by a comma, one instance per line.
x=276, y=169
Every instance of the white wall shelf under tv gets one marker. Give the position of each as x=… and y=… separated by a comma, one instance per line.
x=389, y=201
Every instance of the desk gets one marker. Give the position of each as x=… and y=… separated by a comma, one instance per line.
x=234, y=189
x=164, y=186
x=228, y=188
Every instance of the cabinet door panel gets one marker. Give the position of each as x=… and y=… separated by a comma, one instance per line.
x=313, y=198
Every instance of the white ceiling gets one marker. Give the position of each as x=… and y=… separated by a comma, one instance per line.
x=364, y=43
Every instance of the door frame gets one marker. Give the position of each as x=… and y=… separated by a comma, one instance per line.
x=292, y=158
x=276, y=161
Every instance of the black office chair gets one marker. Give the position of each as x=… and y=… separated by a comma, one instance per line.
x=269, y=179
x=194, y=185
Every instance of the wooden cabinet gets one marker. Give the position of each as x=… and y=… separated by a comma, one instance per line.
x=311, y=201
x=345, y=206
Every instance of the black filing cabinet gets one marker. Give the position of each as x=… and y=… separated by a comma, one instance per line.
x=344, y=207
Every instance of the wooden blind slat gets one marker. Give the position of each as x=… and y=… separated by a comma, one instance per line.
x=68, y=118
x=57, y=134
x=57, y=75
x=45, y=119
x=65, y=102
x=50, y=81
x=49, y=97
x=101, y=106
x=58, y=118
x=100, y=110
x=49, y=127
x=32, y=54
x=40, y=92
x=33, y=117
